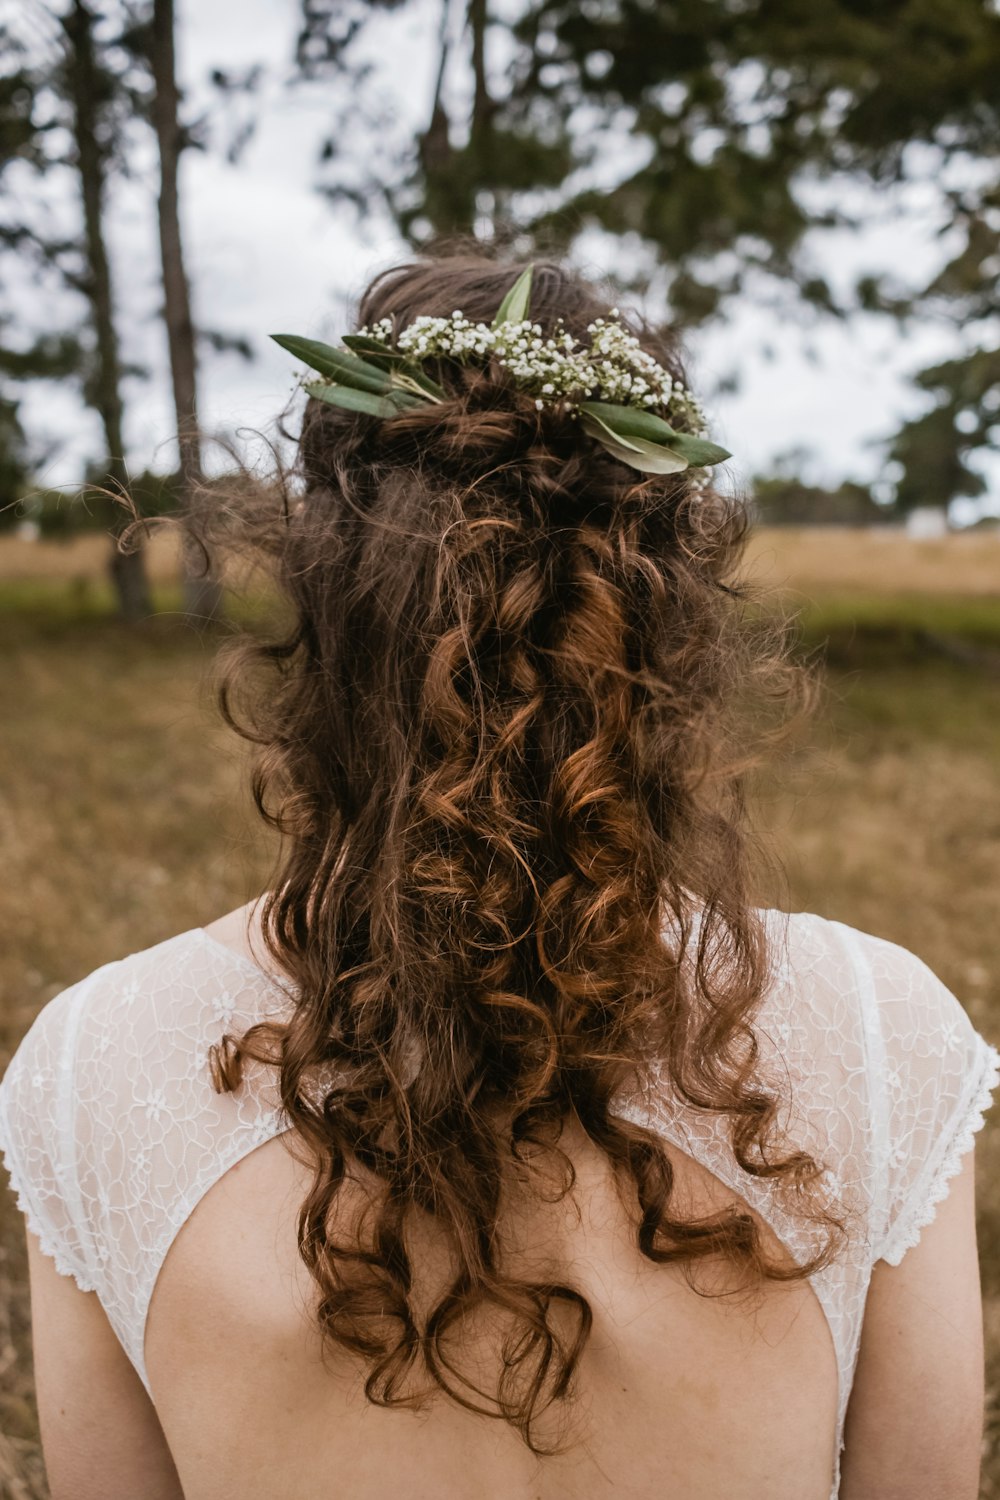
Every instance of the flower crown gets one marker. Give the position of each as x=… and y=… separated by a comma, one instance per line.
x=618, y=392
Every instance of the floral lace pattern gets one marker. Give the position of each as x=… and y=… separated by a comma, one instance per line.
x=112, y=1132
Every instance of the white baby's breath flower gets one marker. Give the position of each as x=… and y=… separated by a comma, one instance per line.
x=558, y=369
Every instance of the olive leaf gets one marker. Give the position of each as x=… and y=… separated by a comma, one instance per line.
x=369, y=402
x=595, y=426
x=629, y=421
x=400, y=366
x=514, y=307
x=649, y=458
x=345, y=369
x=627, y=430
x=360, y=372
x=699, y=452
x=374, y=350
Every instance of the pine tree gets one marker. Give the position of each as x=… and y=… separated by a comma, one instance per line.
x=736, y=128
x=58, y=87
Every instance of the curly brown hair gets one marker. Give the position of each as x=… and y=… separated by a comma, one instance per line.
x=506, y=742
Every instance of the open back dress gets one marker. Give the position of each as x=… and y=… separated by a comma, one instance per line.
x=112, y=1132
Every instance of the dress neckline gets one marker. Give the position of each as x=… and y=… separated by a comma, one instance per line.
x=243, y=959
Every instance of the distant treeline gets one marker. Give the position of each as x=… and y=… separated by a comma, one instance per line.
x=775, y=501
x=742, y=134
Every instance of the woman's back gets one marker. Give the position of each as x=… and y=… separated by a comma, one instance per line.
x=678, y=1395
x=180, y=1208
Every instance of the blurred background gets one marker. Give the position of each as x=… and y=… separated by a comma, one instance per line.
x=809, y=194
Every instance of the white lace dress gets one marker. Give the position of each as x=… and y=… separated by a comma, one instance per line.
x=112, y=1132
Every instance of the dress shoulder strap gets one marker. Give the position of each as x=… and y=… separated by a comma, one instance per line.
x=112, y=1128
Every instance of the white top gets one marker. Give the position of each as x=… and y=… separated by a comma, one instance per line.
x=112, y=1132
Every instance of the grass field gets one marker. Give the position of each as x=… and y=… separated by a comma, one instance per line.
x=123, y=818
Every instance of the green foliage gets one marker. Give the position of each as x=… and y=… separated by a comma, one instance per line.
x=156, y=494
x=724, y=105
x=933, y=449
x=334, y=363
x=50, y=357
x=882, y=625
x=782, y=500
x=14, y=461
x=61, y=515
x=645, y=454
x=644, y=431
x=514, y=307
x=381, y=380
x=375, y=380
x=353, y=399
x=719, y=113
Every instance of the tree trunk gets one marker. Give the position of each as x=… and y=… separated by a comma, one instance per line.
x=202, y=592
x=128, y=571
x=482, y=104
x=443, y=196
x=481, y=124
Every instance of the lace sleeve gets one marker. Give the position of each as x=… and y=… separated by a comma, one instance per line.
x=932, y=1084
x=111, y=1128
x=36, y=1104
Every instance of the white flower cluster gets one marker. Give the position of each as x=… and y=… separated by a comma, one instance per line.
x=558, y=369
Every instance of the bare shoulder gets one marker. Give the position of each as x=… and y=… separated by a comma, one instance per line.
x=240, y=930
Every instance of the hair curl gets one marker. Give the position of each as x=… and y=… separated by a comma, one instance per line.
x=506, y=736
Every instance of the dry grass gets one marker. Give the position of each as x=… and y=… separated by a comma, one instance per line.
x=122, y=821
x=864, y=560
x=81, y=557
x=876, y=560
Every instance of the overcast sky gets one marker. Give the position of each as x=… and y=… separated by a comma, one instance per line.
x=267, y=254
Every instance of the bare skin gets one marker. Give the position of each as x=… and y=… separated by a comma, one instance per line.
x=681, y=1397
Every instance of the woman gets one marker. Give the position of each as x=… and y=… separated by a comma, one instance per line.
x=505, y=1148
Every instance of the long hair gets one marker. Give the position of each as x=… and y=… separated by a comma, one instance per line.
x=506, y=740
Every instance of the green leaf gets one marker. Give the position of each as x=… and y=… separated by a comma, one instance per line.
x=598, y=428
x=374, y=351
x=370, y=402
x=514, y=307
x=652, y=458
x=639, y=453
x=630, y=421
x=699, y=452
x=349, y=370
x=402, y=368
x=406, y=400
x=334, y=363
x=630, y=425
x=352, y=400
